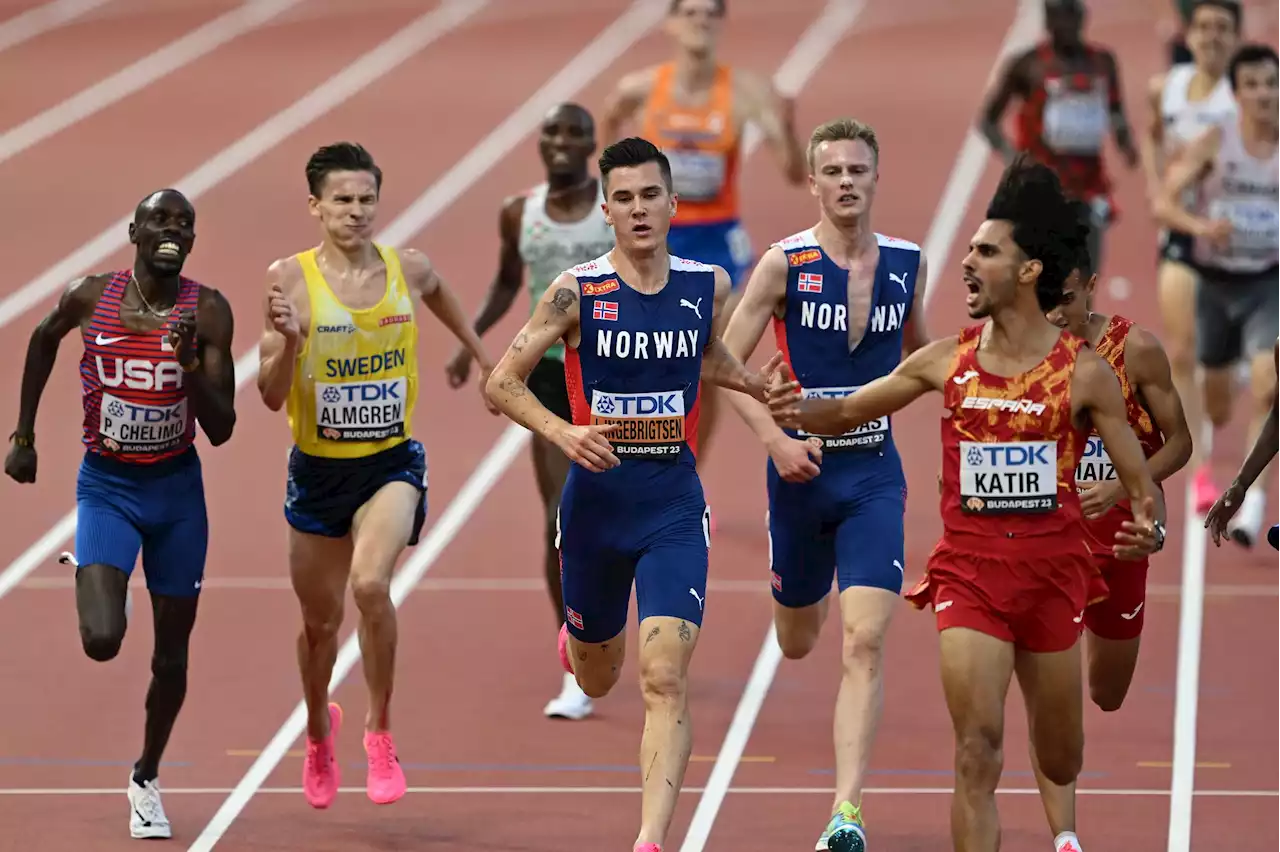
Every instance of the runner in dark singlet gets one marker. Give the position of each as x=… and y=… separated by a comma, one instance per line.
x=1070, y=101
x=1010, y=579
x=157, y=361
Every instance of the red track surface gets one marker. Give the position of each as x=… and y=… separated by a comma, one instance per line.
x=916, y=71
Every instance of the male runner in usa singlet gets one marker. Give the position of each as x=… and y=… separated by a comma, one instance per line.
x=1184, y=102
x=642, y=334
x=339, y=349
x=1231, y=171
x=1011, y=577
x=846, y=303
x=1071, y=101
x=157, y=361
x=696, y=109
x=1154, y=412
x=557, y=225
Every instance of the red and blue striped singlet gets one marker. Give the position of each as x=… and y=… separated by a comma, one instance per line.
x=135, y=402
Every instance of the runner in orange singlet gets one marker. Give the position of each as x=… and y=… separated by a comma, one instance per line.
x=1155, y=414
x=1010, y=579
x=696, y=109
x=1071, y=97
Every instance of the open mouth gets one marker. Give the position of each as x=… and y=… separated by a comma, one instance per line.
x=641, y=230
x=974, y=289
x=169, y=249
x=848, y=198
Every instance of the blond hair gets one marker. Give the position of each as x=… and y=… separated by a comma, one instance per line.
x=841, y=129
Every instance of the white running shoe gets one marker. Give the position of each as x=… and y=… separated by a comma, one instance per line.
x=147, y=818
x=571, y=703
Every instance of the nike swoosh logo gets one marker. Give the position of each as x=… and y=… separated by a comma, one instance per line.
x=107, y=341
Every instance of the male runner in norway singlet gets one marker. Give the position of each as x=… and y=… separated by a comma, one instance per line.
x=157, y=361
x=1010, y=579
x=642, y=331
x=1154, y=411
x=1184, y=102
x=696, y=109
x=339, y=348
x=1071, y=98
x=1235, y=220
x=845, y=303
x=556, y=225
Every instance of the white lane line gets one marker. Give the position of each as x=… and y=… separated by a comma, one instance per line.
x=41, y=19
x=351, y=80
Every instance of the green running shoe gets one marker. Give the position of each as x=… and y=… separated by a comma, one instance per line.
x=845, y=832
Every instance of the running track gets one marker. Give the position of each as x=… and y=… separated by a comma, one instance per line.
x=476, y=634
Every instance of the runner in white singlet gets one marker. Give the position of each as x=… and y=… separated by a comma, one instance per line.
x=1235, y=222
x=555, y=226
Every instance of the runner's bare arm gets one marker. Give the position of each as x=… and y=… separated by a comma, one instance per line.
x=1119, y=120
x=73, y=309
x=720, y=366
x=920, y=372
x=1011, y=84
x=1260, y=455
x=774, y=115
x=506, y=283
x=554, y=318
x=1186, y=168
x=1151, y=143
x=915, y=333
x=1149, y=370
x=285, y=323
x=438, y=296
x=623, y=103
x=212, y=384
x=1096, y=396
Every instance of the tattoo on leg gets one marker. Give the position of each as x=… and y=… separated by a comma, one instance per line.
x=563, y=300
x=685, y=633
x=652, y=635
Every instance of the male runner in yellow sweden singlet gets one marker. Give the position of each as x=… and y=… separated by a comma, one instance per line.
x=340, y=347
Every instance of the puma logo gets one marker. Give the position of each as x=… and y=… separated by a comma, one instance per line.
x=693, y=306
x=696, y=598
x=900, y=280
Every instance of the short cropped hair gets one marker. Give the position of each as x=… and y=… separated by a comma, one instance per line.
x=675, y=7
x=632, y=152
x=1249, y=54
x=1047, y=225
x=1231, y=7
x=841, y=129
x=340, y=157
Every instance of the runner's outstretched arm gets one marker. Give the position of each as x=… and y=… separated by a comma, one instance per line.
x=922, y=371
x=1260, y=455
x=720, y=366
x=202, y=345
x=281, y=334
x=1012, y=84
x=554, y=318
x=1184, y=171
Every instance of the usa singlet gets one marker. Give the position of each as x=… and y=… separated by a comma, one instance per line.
x=1010, y=449
x=1095, y=465
x=356, y=380
x=134, y=395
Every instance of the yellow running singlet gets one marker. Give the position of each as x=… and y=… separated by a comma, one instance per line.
x=356, y=379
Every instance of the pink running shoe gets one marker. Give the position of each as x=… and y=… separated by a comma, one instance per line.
x=320, y=774
x=563, y=646
x=386, y=782
x=647, y=847
x=1206, y=493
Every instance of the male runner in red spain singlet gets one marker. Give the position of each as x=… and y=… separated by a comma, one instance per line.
x=1155, y=413
x=1070, y=99
x=1011, y=577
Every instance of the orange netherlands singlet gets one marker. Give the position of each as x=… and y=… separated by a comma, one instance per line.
x=1009, y=452
x=1095, y=465
x=702, y=143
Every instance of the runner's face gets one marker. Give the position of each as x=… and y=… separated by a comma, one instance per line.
x=1064, y=24
x=347, y=207
x=566, y=142
x=1211, y=37
x=844, y=179
x=1073, y=313
x=639, y=207
x=695, y=25
x=164, y=231
x=991, y=268
x=1256, y=91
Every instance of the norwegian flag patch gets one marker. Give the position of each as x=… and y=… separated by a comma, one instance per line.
x=809, y=282
x=607, y=311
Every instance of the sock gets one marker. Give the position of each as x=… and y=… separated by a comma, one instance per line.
x=1066, y=842
x=1206, y=441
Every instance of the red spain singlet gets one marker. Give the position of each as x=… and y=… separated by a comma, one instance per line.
x=1095, y=465
x=1009, y=452
x=135, y=402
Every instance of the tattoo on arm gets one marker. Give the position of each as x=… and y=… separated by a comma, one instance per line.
x=521, y=341
x=563, y=300
x=514, y=386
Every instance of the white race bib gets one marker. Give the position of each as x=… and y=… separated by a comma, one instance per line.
x=696, y=175
x=649, y=425
x=130, y=427
x=1012, y=477
x=1076, y=122
x=868, y=436
x=361, y=411
x=1255, y=224
x=1094, y=465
